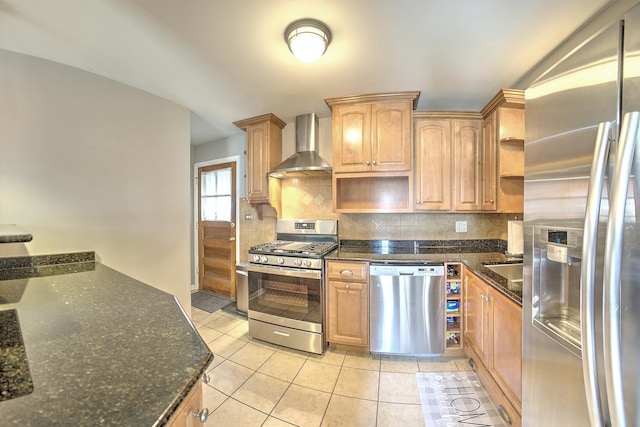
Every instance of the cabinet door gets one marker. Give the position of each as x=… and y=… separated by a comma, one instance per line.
x=433, y=164
x=489, y=166
x=352, y=138
x=184, y=415
x=476, y=315
x=348, y=313
x=507, y=345
x=467, y=141
x=391, y=136
x=258, y=162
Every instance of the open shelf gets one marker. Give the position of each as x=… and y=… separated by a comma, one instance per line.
x=366, y=192
x=453, y=309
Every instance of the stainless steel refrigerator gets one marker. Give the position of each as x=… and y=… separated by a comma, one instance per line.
x=581, y=294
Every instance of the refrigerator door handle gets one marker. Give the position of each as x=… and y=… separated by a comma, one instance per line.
x=588, y=274
x=612, y=268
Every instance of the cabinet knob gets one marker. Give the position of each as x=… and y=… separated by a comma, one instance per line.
x=206, y=378
x=201, y=415
x=346, y=272
x=368, y=163
x=346, y=286
x=374, y=163
x=417, y=202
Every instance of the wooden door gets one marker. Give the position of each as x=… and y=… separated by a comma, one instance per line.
x=433, y=164
x=352, y=138
x=348, y=313
x=217, y=229
x=507, y=345
x=467, y=140
x=475, y=315
x=489, y=165
x=391, y=136
x=184, y=415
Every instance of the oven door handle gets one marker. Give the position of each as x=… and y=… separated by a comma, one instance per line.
x=283, y=271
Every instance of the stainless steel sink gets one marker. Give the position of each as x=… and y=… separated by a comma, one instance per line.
x=511, y=272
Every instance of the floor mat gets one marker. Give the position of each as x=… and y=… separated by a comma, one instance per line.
x=456, y=399
x=209, y=302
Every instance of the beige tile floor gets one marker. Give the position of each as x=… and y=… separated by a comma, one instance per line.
x=254, y=383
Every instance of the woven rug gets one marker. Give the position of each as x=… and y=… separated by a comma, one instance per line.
x=456, y=399
x=209, y=302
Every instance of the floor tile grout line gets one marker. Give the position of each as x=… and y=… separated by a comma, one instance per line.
x=278, y=349
x=324, y=414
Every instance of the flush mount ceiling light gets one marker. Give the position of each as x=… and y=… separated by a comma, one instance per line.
x=307, y=39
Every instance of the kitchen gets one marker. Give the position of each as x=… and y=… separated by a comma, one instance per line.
x=174, y=244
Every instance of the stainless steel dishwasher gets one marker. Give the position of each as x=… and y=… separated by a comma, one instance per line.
x=406, y=309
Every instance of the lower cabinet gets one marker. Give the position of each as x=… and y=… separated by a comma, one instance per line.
x=348, y=305
x=493, y=341
x=190, y=412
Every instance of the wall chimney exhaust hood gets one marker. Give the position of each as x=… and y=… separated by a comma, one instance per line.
x=306, y=161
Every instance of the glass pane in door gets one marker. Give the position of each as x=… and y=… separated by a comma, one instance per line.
x=216, y=195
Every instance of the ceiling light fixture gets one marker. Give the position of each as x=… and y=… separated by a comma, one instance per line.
x=307, y=39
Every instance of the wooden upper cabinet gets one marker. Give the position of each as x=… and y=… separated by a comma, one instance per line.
x=264, y=152
x=448, y=163
x=372, y=133
x=504, y=148
x=489, y=163
x=433, y=163
x=467, y=151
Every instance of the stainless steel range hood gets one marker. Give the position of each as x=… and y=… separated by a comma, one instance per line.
x=306, y=161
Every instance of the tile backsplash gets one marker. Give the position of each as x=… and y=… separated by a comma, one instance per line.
x=310, y=198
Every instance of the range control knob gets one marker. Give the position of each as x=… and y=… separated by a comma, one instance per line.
x=256, y=258
x=307, y=263
x=280, y=260
x=264, y=258
x=298, y=262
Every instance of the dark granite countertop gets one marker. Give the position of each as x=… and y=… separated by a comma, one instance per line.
x=84, y=345
x=10, y=233
x=475, y=254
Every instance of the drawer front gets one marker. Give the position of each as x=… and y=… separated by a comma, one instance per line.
x=357, y=271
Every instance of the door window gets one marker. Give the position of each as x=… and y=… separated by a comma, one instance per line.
x=215, y=195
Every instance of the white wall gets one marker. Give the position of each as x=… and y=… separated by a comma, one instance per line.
x=87, y=163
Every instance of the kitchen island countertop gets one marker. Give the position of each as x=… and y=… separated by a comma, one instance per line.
x=473, y=254
x=90, y=346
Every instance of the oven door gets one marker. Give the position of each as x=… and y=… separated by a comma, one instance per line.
x=286, y=296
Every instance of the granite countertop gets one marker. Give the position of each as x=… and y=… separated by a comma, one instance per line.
x=10, y=233
x=82, y=344
x=474, y=254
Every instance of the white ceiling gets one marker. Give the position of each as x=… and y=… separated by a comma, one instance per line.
x=227, y=60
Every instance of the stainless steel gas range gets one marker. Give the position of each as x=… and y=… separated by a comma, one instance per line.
x=286, y=287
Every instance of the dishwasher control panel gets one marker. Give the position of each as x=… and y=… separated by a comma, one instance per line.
x=405, y=270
